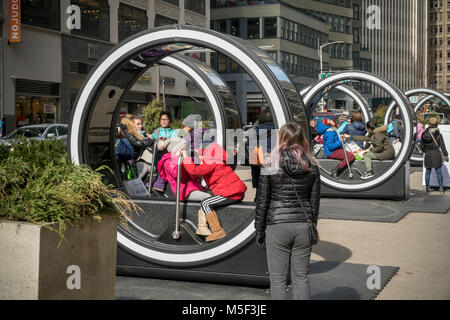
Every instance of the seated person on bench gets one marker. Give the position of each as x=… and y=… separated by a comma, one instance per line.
x=224, y=183
x=164, y=134
x=190, y=188
x=381, y=147
x=333, y=147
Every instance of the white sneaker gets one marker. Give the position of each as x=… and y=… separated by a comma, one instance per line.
x=367, y=176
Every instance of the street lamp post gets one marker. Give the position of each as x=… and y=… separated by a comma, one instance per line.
x=320, y=49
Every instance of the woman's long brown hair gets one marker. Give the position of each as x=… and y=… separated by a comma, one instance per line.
x=292, y=138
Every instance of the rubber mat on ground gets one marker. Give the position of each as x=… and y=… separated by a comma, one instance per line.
x=329, y=281
x=382, y=210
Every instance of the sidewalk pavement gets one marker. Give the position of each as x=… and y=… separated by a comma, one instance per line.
x=418, y=244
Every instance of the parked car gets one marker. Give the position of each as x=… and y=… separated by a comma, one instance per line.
x=57, y=131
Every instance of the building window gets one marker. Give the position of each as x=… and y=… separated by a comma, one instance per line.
x=195, y=5
x=301, y=34
x=174, y=2
x=355, y=35
x=221, y=63
x=348, y=25
x=94, y=19
x=131, y=20
x=222, y=26
x=356, y=12
x=164, y=21
x=270, y=27
x=299, y=65
x=253, y=28
x=41, y=13
x=234, y=27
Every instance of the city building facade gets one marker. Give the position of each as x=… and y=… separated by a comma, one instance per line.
x=41, y=74
x=395, y=33
x=438, y=63
x=292, y=32
x=286, y=33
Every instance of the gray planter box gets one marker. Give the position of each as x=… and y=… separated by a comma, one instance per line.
x=33, y=266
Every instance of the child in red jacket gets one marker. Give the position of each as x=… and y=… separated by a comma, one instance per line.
x=226, y=186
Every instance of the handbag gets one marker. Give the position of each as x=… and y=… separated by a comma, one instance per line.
x=129, y=173
x=312, y=228
x=256, y=157
x=397, y=147
x=444, y=158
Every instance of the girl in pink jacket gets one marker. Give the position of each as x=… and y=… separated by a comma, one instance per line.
x=190, y=188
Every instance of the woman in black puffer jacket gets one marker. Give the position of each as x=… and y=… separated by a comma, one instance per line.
x=432, y=149
x=280, y=221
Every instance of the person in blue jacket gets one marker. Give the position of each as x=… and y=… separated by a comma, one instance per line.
x=356, y=128
x=164, y=131
x=123, y=150
x=333, y=147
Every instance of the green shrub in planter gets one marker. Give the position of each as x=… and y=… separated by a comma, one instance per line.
x=39, y=184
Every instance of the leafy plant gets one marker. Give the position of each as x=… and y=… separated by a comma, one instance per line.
x=39, y=184
x=177, y=124
x=380, y=113
x=150, y=119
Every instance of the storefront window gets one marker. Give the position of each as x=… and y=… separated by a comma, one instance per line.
x=94, y=19
x=164, y=21
x=41, y=13
x=131, y=21
x=36, y=110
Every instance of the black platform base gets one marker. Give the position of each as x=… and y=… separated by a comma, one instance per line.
x=395, y=188
x=247, y=266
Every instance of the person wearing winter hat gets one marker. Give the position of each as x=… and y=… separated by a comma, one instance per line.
x=193, y=130
x=190, y=120
x=433, y=146
x=224, y=183
x=190, y=188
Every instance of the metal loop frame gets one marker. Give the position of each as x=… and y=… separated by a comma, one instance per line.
x=405, y=109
